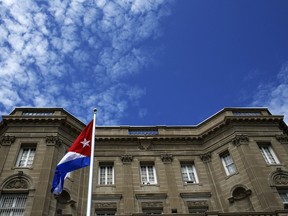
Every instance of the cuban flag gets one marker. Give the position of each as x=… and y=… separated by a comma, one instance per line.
x=78, y=156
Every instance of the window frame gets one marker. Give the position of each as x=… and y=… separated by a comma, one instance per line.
x=26, y=160
x=266, y=155
x=194, y=172
x=106, y=174
x=147, y=173
x=225, y=166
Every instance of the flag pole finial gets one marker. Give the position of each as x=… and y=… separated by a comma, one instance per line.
x=95, y=110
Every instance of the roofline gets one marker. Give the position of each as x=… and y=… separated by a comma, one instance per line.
x=47, y=109
x=192, y=126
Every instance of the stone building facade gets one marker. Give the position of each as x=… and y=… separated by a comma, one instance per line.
x=233, y=163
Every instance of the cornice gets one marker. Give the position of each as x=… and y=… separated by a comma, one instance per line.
x=25, y=119
x=61, y=120
x=198, y=138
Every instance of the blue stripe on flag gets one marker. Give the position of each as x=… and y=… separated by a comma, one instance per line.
x=64, y=168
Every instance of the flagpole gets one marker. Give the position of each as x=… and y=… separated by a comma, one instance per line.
x=90, y=184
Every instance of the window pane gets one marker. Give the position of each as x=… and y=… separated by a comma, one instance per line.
x=151, y=174
x=228, y=164
x=26, y=157
x=284, y=196
x=102, y=175
x=30, y=157
x=144, y=178
x=109, y=175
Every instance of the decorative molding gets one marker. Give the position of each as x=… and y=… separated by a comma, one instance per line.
x=152, y=205
x=17, y=184
x=197, y=203
x=106, y=197
x=166, y=158
x=206, y=157
x=240, y=139
x=239, y=193
x=196, y=195
x=105, y=205
x=279, y=178
x=144, y=143
x=151, y=196
x=7, y=140
x=18, y=181
x=64, y=198
x=282, y=138
x=53, y=141
x=126, y=159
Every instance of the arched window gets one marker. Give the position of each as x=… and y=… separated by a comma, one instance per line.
x=14, y=193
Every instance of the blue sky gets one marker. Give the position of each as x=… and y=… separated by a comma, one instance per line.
x=144, y=62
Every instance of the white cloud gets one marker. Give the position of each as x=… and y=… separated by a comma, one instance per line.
x=75, y=54
x=275, y=95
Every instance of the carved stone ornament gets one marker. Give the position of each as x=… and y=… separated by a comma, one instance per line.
x=166, y=158
x=19, y=181
x=206, y=157
x=53, y=141
x=282, y=138
x=152, y=204
x=7, y=140
x=239, y=193
x=106, y=205
x=197, y=203
x=280, y=178
x=17, y=184
x=144, y=144
x=240, y=139
x=126, y=159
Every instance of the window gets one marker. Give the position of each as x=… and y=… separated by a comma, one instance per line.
x=148, y=174
x=106, y=174
x=26, y=157
x=153, y=211
x=12, y=204
x=284, y=196
x=268, y=154
x=105, y=213
x=247, y=113
x=143, y=132
x=37, y=113
x=200, y=209
x=228, y=164
x=189, y=173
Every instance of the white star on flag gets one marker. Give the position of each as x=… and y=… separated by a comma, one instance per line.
x=85, y=143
